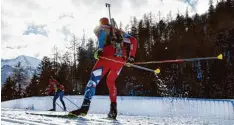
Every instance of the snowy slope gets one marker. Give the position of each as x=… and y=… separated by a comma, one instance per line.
x=131, y=111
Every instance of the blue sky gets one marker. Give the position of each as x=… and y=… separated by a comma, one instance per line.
x=34, y=27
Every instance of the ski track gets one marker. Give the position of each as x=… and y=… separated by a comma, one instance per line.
x=18, y=116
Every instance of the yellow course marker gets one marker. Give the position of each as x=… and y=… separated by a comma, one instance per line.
x=220, y=56
x=157, y=71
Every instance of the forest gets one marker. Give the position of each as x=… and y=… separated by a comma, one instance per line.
x=206, y=35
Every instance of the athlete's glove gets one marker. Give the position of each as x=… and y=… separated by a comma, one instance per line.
x=98, y=53
x=131, y=59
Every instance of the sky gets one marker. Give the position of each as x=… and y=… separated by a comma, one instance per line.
x=34, y=27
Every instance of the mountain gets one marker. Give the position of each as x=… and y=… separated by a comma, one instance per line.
x=28, y=63
x=6, y=71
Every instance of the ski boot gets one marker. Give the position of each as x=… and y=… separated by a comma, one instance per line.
x=51, y=109
x=83, y=110
x=113, y=111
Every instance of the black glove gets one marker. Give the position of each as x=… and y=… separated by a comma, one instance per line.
x=98, y=53
x=131, y=59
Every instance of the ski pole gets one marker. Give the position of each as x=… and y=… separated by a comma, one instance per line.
x=108, y=5
x=56, y=103
x=71, y=102
x=220, y=56
x=157, y=71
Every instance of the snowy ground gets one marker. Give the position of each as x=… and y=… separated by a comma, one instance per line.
x=131, y=111
x=19, y=116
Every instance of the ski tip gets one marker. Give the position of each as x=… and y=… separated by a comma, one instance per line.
x=72, y=115
x=157, y=71
x=220, y=56
x=83, y=114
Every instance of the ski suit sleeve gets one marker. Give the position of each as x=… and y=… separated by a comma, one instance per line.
x=101, y=39
x=133, y=42
x=61, y=87
x=50, y=89
x=52, y=86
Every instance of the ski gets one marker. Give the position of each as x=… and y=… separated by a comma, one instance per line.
x=67, y=116
x=107, y=118
x=55, y=115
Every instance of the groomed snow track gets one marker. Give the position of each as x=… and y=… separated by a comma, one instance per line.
x=131, y=111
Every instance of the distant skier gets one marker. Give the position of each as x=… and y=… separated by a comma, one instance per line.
x=58, y=88
x=113, y=44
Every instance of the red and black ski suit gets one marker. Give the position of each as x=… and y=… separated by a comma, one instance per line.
x=114, y=51
x=58, y=88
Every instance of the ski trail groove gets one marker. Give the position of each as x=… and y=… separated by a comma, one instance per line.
x=21, y=121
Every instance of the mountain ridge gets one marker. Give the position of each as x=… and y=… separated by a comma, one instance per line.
x=30, y=65
x=26, y=61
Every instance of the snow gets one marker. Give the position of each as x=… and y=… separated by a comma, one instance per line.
x=131, y=110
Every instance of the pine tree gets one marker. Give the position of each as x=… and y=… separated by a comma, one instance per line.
x=19, y=76
x=9, y=91
x=33, y=88
x=46, y=71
